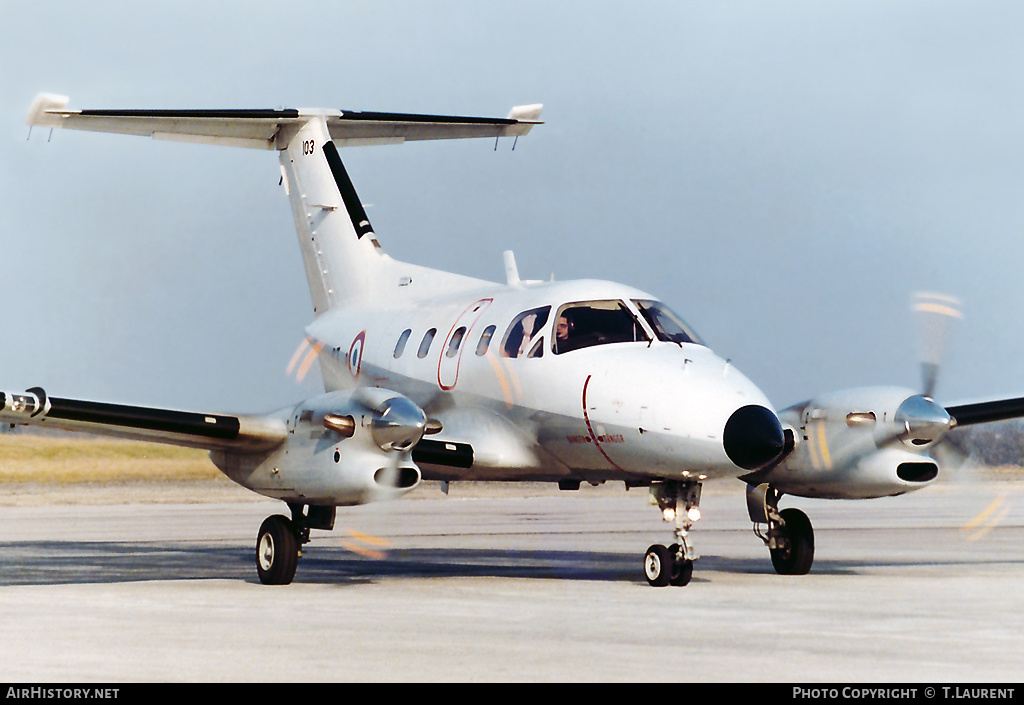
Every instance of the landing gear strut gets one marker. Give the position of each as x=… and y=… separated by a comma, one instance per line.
x=279, y=543
x=790, y=537
x=673, y=565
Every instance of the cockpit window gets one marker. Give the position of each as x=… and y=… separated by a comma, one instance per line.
x=526, y=326
x=587, y=323
x=666, y=324
x=538, y=349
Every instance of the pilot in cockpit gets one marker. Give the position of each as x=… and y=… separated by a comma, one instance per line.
x=563, y=329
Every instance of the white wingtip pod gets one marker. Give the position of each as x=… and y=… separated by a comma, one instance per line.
x=45, y=110
x=23, y=407
x=528, y=115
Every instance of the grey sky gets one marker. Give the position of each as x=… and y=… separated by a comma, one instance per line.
x=784, y=174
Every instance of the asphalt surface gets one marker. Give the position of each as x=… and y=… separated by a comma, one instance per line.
x=924, y=588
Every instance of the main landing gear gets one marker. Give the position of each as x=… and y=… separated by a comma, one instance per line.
x=279, y=543
x=790, y=537
x=673, y=565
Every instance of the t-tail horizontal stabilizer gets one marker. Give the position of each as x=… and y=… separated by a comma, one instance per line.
x=342, y=264
x=273, y=128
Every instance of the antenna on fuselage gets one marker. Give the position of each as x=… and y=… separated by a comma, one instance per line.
x=511, y=270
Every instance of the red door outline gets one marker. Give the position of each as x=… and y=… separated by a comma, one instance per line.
x=448, y=367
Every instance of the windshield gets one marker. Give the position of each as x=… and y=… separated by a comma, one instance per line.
x=667, y=325
x=587, y=323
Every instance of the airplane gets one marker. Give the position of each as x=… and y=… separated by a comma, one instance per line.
x=435, y=376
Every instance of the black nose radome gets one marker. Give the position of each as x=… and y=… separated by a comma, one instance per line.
x=753, y=437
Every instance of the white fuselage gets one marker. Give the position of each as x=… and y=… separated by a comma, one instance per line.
x=634, y=410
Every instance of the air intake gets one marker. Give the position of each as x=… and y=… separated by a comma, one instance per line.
x=917, y=472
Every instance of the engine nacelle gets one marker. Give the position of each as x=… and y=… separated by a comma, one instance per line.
x=342, y=448
x=859, y=444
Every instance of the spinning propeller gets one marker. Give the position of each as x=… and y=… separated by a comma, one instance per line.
x=926, y=421
x=936, y=315
x=396, y=426
x=388, y=422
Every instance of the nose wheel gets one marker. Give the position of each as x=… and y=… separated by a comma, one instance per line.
x=673, y=565
x=664, y=566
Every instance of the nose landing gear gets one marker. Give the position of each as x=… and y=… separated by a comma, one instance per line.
x=673, y=565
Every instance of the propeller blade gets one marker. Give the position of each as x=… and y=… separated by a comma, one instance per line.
x=303, y=358
x=935, y=315
x=953, y=457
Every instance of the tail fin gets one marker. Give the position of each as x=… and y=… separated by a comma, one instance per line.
x=341, y=254
x=339, y=248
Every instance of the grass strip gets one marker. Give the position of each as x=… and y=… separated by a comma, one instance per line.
x=68, y=460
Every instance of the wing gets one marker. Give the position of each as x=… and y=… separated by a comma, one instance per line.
x=183, y=428
x=984, y=412
x=269, y=129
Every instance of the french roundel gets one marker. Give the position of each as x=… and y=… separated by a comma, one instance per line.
x=355, y=354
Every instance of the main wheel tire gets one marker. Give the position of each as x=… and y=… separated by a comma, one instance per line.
x=658, y=565
x=277, y=551
x=798, y=554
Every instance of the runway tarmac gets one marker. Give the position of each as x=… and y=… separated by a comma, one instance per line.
x=925, y=588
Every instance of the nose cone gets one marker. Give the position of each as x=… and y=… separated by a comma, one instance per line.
x=753, y=437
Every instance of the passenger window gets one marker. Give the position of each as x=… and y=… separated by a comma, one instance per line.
x=402, y=340
x=428, y=338
x=526, y=326
x=456, y=341
x=588, y=323
x=485, y=341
